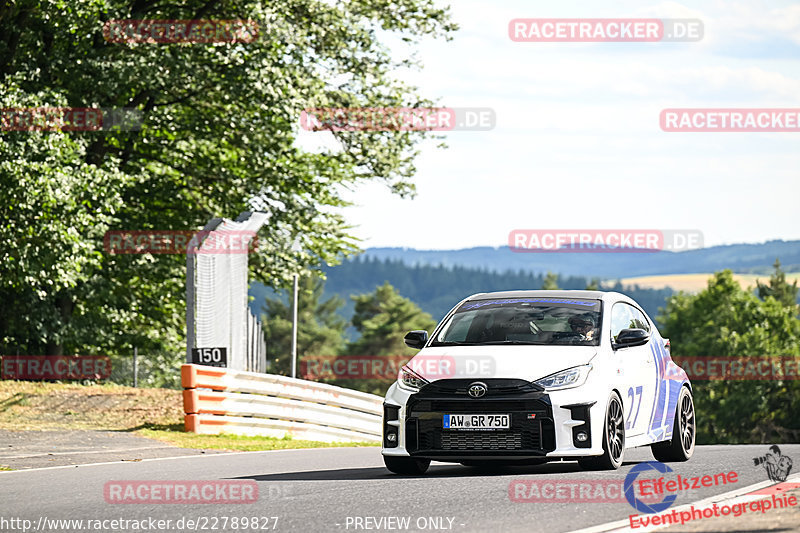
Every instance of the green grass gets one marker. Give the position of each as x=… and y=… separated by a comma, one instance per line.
x=151, y=413
x=174, y=434
x=4, y=468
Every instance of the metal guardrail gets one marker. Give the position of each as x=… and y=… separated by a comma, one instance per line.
x=221, y=400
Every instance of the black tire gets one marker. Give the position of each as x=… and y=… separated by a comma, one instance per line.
x=613, y=439
x=681, y=446
x=407, y=466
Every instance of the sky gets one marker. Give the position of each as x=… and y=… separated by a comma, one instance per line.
x=577, y=142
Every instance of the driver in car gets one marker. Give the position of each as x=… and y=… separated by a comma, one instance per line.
x=583, y=326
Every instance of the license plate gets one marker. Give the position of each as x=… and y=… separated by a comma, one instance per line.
x=475, y=422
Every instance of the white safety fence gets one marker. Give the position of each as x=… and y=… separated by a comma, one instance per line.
x=217, y=315
x=220, y=400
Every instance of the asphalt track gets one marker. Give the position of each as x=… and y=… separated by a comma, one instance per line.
x=331, y=489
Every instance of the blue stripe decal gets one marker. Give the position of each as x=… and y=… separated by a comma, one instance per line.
x=660, y=359
x=662, y=395
x=655, y=387
x=665, y=397
x=674, y=392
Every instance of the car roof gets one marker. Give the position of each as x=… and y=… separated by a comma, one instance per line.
x=590, y=295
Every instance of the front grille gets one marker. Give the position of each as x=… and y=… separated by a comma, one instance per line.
x=486, y=406
x=481, y=441
x=532, y=430
x=497, y=387
x=525, y=434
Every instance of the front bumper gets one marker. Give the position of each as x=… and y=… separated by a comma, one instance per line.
x=543, y=425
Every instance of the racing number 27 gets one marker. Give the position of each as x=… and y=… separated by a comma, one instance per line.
x=633, y=395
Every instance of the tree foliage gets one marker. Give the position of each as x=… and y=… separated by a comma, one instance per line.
x=437, y=288
x=382, y=318
x=550, y=282
x=725, y=320
x=593, y=284
x=219, y=136
x=320, y=330
x=778, y=287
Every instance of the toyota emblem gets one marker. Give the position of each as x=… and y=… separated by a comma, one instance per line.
x=477, y=389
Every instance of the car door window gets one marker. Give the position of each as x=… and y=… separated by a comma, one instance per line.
x=639, y=320
x=620, y=319
x=625, y=316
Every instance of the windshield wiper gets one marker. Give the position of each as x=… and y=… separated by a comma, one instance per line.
x=516, y=342
x=486, y=343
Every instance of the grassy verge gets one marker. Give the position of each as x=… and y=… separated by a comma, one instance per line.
x=152, y=413
x=177, y=437
x=36, y=405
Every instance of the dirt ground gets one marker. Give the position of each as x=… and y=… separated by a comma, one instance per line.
x=60, y=424
x=38, y=406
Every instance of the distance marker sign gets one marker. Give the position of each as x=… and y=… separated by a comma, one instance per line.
x=210, y=356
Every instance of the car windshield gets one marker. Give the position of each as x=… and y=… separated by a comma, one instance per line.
x=542, y=321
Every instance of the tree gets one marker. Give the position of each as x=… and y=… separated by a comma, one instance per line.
x=219, y=131
x=320, y=329
x=437, y=288
x=593, y=285
x=382, y=318
x=778, y=287
x=550, y=282
x=725, y=320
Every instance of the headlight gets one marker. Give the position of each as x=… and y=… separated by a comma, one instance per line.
x=566, y=379
x=410, y=380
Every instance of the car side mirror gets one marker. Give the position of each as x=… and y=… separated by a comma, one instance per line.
x=631, y=337
x=416, y=339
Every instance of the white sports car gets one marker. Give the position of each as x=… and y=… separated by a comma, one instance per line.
x=533, y=376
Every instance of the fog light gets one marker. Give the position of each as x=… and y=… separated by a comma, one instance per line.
x=391, y=437
x=582, y=436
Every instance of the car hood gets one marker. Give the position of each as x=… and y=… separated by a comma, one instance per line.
x=520, y=362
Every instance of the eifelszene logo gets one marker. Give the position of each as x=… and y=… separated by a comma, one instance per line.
x=630, y=495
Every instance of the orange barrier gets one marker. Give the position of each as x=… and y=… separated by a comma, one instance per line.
x=193, y=376
x=220, y=400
